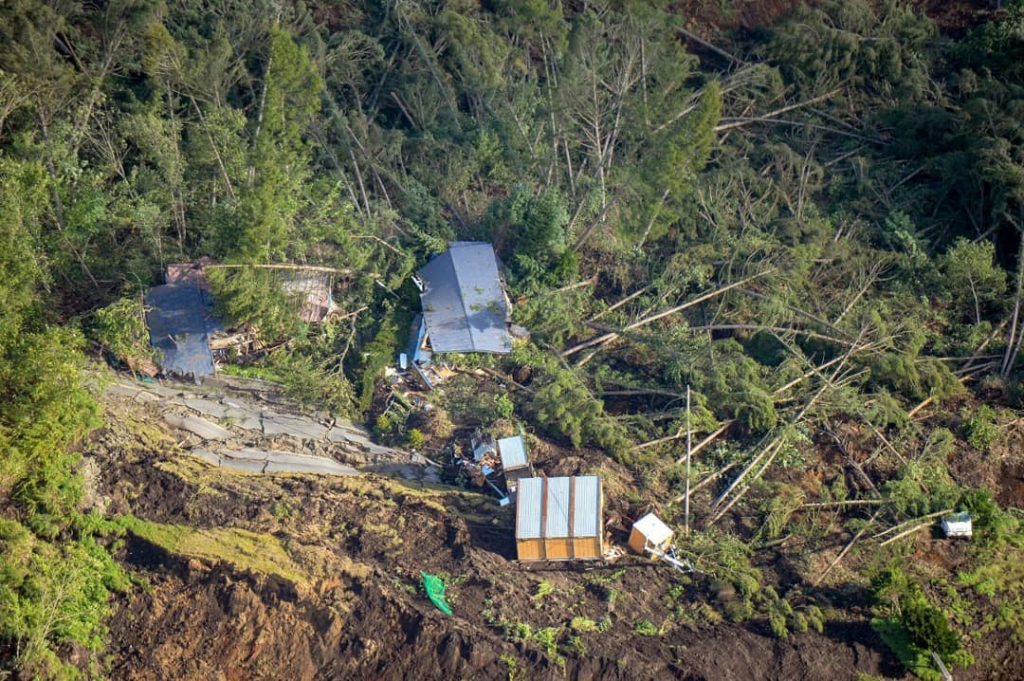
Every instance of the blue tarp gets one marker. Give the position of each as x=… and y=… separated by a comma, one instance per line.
x=464, y=305
x=180, y=319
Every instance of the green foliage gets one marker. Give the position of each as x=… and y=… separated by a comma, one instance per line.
x=928, y=629
x=780, y=507
x=504, y=406
x=915, y=660
x=583, y=624
x=378, y=354
x=269, y=205
x=732, y=382
x=121, y=329
x=992, y=527
x=544, y=589
x=565, y=406
x=415, y=438
x=254, y=298
x=646, y=628
x=533, y=227
x=910, y=624
x=315, y=382
x=981, y=429
x=53, y=594
x=511, y=665
x=679, y=154
x=854, y=43
x=547, y=639
x=925, y=486
x=977, y=286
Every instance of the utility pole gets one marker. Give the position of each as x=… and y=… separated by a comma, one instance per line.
x=689, y=451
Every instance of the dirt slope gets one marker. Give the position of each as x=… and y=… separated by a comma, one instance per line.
x=351, y=608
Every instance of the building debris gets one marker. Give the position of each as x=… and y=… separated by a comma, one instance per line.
x=435, y=588
x=198, y=426
x=185, y=331
x=559, y=519
x=315, y=290
x=650, y=532
x=180, y=318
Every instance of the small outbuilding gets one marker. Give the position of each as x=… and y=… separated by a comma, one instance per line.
x=650, y=533
x=464, y=304
x=957, y=525
x=515, y=464
x=559, y=519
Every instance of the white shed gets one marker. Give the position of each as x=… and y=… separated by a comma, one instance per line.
x=650, y=532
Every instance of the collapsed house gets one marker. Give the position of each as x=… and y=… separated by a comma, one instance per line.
x=464, y=304
x=185, y=331
x=180, y=318
x=559, y=519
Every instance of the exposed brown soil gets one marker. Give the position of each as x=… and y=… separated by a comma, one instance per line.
x=363, y=541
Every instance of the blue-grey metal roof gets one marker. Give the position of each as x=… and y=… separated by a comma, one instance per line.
x=180, y=320
x=529, y=505
x=557, y=522
x=533, y=523
x=586, y=517
x=464, y=306
x=513, y=453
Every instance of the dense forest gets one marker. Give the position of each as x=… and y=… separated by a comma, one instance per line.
x=814, y=224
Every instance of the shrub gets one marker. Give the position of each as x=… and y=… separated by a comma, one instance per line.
x=980, y=428
x=121, y=329
x=928, y=629
x=544, y=589
x=583, y=624
x=415, y=438
x=504, y=406
x=547, y=639
x=646, y=627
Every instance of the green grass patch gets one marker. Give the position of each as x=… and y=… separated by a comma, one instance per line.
x=243, y=549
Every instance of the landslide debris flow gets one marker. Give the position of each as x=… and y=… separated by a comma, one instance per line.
x=267, y=574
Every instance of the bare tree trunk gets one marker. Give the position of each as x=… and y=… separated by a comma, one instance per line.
x=689, y=455
x=601, y=340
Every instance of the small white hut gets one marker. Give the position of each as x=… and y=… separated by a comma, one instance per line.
x=650, y=533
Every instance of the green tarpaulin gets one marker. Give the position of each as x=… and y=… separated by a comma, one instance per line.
x=434, y=586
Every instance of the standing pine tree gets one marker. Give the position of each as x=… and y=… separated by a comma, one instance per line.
x=280, y=157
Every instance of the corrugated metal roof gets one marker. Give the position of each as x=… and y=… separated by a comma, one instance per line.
x=513, y=453
x=529, y=505
x=463, y=303
x=653, y=528
x=180, y=320
x=587, y=514
x=557, y=524
x=586, y=505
